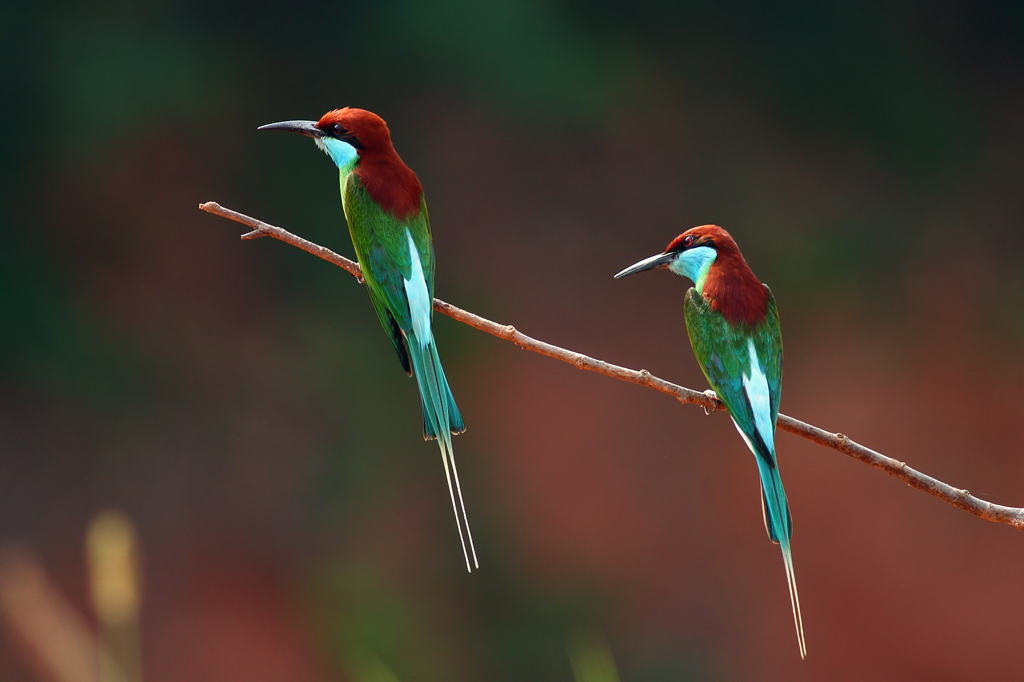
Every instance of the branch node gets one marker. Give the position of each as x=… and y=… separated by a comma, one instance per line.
x=255, y=234
x=645, y=376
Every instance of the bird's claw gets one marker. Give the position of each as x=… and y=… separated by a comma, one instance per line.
x=713, y=396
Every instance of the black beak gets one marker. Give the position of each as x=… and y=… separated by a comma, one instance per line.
x=307, y=128
x=662, y=260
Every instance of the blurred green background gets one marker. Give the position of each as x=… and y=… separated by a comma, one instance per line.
x=241, y=404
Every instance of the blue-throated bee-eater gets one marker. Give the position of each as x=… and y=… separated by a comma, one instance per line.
x=387, y=220
x=733, y=326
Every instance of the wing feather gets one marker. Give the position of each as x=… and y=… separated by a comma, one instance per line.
x=743, y=364
x=382, y=247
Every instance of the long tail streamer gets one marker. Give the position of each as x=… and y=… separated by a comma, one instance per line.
x=440, y=418
x=794, y=597
x=780, y=530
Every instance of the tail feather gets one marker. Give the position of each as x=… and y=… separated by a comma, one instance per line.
x=794, y=596
x=774, y=505
x=779, y=524
x=441, y=418
x=454, y=418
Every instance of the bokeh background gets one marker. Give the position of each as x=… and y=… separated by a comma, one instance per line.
x=240, y=404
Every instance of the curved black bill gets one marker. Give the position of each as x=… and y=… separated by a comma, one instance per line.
x=662, y=260
x=307, y=128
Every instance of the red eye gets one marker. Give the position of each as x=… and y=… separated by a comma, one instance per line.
x=688, y=240
x=338, y=130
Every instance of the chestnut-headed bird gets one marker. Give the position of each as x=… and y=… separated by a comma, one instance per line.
x=387, y=219
x=733, y=326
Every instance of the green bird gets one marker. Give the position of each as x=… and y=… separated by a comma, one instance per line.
x=733, y=326
x=387, y=220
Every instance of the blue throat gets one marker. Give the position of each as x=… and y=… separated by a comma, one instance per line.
x=342, y=153
x=694, y=264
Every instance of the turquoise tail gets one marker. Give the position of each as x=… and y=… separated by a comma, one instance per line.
x=779, y=524
x=441, y=419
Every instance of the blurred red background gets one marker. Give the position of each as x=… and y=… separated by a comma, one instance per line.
x=240, y=404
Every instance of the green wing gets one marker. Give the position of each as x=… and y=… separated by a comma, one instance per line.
x=722, y=351
x=387, y=320
x=382, y=247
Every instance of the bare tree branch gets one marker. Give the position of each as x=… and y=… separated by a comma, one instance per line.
x=955, y=496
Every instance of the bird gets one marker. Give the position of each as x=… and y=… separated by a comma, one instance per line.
x=386, y=212
x=733, y=325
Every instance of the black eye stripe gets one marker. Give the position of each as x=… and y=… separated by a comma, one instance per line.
x=338, y=131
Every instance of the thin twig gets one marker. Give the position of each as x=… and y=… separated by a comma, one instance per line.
x=955, y=496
